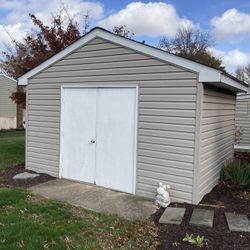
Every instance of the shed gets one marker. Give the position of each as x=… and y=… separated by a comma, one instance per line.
x=242, y=119
x=117, y=113
x=8, y=108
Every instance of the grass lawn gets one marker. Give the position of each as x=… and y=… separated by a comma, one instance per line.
x=31, y=222
x=12, y=148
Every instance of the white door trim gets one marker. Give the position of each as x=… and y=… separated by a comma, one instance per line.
x=101, y=85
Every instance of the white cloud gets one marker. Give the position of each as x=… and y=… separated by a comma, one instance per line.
x=151, y=19
x=232, y=58
x=232, y=25
x=15, y=31
x=17, y=21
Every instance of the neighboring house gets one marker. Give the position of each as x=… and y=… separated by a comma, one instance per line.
x=8, y=108
x=120, y=114
x=243, y=121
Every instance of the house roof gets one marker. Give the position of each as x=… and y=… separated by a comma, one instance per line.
x=244, y=95
x=8, y=77
x=206, y=74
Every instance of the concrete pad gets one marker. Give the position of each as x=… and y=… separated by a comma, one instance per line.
x=202, y=217
x=173, y=215
x=25, y=176
x=238, y=222
x=96, y=198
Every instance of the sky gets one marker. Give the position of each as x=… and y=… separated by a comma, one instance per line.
x=228, y=21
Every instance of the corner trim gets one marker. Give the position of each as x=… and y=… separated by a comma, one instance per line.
x=26, y=128
x=196, y=175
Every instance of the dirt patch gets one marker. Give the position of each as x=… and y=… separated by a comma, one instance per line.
x=221, y=199
x=6, y=177
x=242, y=155
x=34, y=199
x=228, y=200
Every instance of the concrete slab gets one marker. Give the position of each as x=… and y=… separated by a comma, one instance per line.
x=202, y=217
x=25, y=176
x=238, y=222
x=96, y=198
x=173, y=215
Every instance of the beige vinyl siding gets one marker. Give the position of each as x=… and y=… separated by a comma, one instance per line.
x=243, y=120
x=167, y=104
x=7, y=106
x=217, y=136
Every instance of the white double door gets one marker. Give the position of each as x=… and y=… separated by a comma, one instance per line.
x=98, y=136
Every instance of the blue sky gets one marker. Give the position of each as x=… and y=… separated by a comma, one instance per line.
x=227, y=20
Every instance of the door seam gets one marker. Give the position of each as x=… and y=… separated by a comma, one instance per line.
x=96, y=138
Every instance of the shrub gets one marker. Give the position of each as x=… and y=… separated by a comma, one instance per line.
x=196, y=241
x=237, y=173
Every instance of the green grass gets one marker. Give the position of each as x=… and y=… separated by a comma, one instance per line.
x=12, y=148
x=30, y=222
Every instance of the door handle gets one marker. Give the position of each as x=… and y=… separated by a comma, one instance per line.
x=92, y=141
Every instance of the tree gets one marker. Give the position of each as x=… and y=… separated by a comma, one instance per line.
x=42, y=44
x=37, y=47
x=122, y=31
x=243, y=73
x=192, y=44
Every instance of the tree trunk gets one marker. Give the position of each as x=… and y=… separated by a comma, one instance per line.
x=19, y=115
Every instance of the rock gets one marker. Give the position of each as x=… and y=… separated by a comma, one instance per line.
x=238, y=222
x=202, y=217
x=173, y=215
x=25, y=176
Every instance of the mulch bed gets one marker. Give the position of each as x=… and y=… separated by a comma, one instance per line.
x=243, y=155
x=220, y=199
x=6, y=177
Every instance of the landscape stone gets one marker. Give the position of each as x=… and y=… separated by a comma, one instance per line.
x=25, y=176
x=238, y=222
x=202, y=217
x=173, y=215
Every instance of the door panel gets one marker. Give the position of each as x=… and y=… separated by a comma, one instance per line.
x=79, y=125
x=115, y=138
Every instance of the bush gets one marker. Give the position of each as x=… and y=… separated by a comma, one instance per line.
x=196, y=241
x=237, y=173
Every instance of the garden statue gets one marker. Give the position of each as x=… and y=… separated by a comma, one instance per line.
x=162, y=198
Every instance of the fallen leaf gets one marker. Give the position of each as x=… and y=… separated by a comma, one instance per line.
x=53, y=242
x=20, y=243
x=45, y=245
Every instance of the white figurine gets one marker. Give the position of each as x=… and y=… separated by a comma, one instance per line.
x=162, y=198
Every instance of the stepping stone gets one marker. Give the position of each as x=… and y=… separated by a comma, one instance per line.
x=202, y=217
x=173, y=215
x=25, y=176
x=238, y=222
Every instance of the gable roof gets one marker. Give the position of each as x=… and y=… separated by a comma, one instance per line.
x=8, y=77
x=205, y=74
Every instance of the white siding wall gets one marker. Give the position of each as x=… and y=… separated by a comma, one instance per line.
x=217, y=136
x=243, y=120
x=7, y=106
x=167, y=105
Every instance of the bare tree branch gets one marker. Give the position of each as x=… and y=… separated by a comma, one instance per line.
x=192, y=44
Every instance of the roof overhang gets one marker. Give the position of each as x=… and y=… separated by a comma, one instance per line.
x=228, y=83
x=205, y=73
